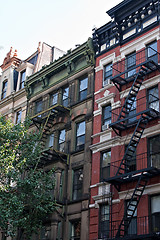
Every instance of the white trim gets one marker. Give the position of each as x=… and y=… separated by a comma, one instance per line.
x=139, y=43
x=104, y=61
x=104, y=88
x=149, y=190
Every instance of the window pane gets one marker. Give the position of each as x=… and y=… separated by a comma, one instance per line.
x=104, y=222
x=83, y=84
x=106, y=115
x=38, y=107
x=154, y=149
x=50, y=140
x=77, y=183
x=152, y=49
x=62, y=140
x=106, y=159
x=155, y=204
x=105, y=165
x=153, y=98
x=107, y=74
x=76, y=230
x=18, y=116
x=4, y=89
x=65, y=97
x=80, y=128
x=22, y=79
x=155, y=211
x=131, y=64
x=54, y=98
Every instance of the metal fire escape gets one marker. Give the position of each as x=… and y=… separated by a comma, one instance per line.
x=123, y=173
x=44, y=121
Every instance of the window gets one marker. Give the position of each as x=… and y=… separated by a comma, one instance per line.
x=50, y=140
x=65, y=97
x=131, y=64
x=132, y=229
x=155, y=213
x=61, y=140
x=77, y=183
x=75, y=230
x=132, y=112
x=38, y=106
x=130, y=163
x=105, y=165
x=4, y=89
x=107, y=74
x=80, y=135
x=104, y=221
x=152, y=51
x=22, y=79
x=106, y=117
x=18, y=116
x=154, y=151
x=83, y=85
x=59, y=231
x=153, y=98
x=53, y=99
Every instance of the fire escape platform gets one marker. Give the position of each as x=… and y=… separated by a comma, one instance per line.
x=55, y=110
x=148, y=236
x=124, y=124
x=148, y=64
x=51, y=155
x=133, y=176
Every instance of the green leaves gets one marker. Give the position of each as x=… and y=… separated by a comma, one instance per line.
x=25, y=190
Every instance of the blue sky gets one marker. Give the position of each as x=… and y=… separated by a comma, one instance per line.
x=60, y=23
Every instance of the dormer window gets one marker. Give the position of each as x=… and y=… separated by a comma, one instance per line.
x=22, y=79
x=4, y=89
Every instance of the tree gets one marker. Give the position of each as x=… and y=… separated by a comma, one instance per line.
x=25, y=186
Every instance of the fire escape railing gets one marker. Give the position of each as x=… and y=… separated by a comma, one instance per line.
x=43, y=116
x=122, y=75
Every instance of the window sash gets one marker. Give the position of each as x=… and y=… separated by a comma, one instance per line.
x=65, y=97
x=104, y=221
x=4, y=89
x=153, y=98
x=83, y=86
x=154, y=151
x=54, y=99
x=18, y=116
x=22, y=79
x=50, y=141
x=131, y=64
x=61, y=142
x=106, y=115
x=38, y=107
x=77, y=183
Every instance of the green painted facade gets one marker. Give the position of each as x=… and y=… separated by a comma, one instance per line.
x=59, y=70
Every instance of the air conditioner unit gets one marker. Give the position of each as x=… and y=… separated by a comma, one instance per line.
x=104, y=127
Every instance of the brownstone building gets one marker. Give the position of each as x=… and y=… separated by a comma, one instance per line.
x=60, y=101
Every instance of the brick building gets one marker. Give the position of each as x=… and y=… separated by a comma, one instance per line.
x=125, y=184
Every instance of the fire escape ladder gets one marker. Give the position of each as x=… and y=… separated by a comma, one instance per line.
x=132, y=93
x=131, y=148
x=132, y=206
x=48, y=124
